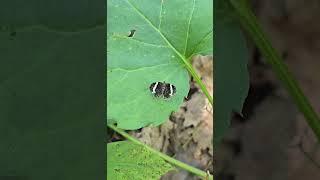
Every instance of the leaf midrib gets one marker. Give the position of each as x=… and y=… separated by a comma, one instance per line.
x=140, y=68
x=184, y=60
x=189, y=22
x=139, y=41
x=156, y=29
x=50, y=29
x=199, y=43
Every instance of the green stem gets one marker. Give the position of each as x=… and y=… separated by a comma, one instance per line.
x=197, y=78
x=164, y=156
x=250, y=23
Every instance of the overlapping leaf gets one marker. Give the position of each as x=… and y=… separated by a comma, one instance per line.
x=127, y=160
x=231, y=74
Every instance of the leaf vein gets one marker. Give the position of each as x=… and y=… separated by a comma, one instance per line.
x=188, y=30
x=154, y=27
x=199, y=43
x=139, y=41
x=137, y=69
x=160, y=16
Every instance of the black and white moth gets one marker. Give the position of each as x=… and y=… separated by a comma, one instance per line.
x=162, y=89
x=156, y=88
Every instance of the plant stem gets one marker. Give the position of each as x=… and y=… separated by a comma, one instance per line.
x=164, y=156
x=197, y=78
x=250, y=23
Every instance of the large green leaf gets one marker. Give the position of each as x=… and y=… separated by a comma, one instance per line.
x=231, y=74
x=165, y=33
x=59, y=14
x=51, y=90
x=48, y=111
x=128, y=161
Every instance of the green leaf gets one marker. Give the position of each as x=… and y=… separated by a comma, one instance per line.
x=59, y=14
x=48, y=111
x=231, y=74
x=127, y=160
x=166, y=33
x=46, y=102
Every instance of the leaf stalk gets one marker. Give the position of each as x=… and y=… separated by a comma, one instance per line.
x=250, y=23
x=171, y=160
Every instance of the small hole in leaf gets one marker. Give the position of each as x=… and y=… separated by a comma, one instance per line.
x=132, y=32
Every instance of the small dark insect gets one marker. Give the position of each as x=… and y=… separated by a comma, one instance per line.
x=131, y=33
x=162, y=89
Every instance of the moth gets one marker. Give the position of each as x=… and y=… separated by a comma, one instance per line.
x=162, y=89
